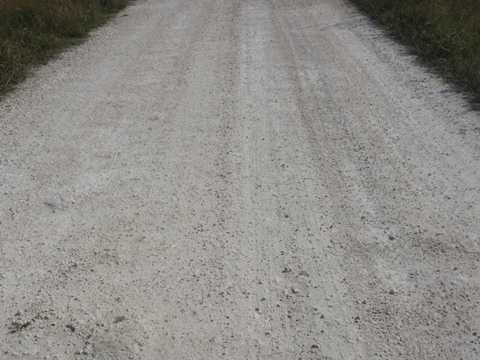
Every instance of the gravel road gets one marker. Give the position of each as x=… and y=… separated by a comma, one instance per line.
x=269, y=179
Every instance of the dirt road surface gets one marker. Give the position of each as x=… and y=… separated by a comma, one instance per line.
x=227, y=179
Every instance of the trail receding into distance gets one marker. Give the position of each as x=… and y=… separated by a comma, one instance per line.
x=239, y=180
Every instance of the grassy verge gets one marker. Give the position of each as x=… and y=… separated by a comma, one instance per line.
x=32, y=31
x=444, y=33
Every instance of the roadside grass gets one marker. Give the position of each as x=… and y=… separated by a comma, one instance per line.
x=444, y=33
x=32, y=31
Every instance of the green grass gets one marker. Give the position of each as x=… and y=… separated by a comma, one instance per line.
x=444, y=33
x=119, y=319
x=16, y=326
x=32, y=31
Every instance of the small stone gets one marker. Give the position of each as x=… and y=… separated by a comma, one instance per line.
x=315, y=346
x=268, y=333
x=392, y=291
x=71, y=327
x=391, y=237
x=287, y=270
x=357, y=318
x=295, y=290
x=18, y=313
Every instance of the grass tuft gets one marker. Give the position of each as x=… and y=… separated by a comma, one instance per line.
x=16, y=326
x=119, y=319
x=32, y=31
x=444, y=33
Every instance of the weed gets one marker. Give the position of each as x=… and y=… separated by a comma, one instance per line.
x=16, y=326
x=444, y=33
x=119, y=319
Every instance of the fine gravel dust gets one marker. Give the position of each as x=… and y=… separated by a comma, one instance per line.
x=268, y=179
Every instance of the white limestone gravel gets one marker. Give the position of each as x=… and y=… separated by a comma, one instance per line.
x=167, y=185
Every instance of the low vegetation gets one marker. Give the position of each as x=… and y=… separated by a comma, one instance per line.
x=444, y=33
x=32, y=31
x=119, y=319
x=16, y=326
